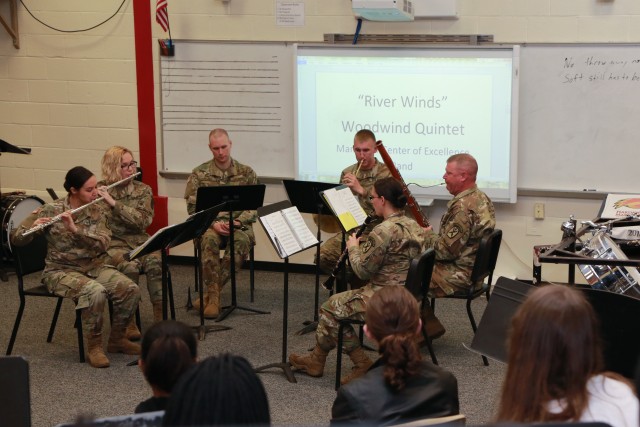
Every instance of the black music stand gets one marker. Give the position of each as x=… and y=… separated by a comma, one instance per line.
x=175, y=235
x=618, y=315
x=5, y=147
x=283, y=364
x=237, y=198
x=305, y=195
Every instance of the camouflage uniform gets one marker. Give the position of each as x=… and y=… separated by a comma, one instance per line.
x=330, y=250
x=384, y=260
x=75, y=266
x=215, y=272
x=470, y=214
x=130, y=217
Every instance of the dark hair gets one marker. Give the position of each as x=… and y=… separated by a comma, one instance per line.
x=169, y=349
x=364, y=135
x=222, y=390
x=391, y=190
x=76, y=177
x=393, y=318
x=554, y=350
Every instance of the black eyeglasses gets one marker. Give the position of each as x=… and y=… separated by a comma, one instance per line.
x=374, y=197
x=132, y=164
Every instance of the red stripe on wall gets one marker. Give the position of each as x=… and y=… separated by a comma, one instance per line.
x=146, y=107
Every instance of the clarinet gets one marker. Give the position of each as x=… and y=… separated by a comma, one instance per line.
x=420, y=217
x=328, y=284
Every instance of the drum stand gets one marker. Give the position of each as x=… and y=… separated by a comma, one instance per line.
x=5, y=147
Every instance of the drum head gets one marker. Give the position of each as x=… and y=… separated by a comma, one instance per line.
x=13, y=210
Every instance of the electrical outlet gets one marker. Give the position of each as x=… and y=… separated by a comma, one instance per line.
x=538, y=211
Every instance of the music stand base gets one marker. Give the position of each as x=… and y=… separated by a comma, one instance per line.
x=202, y=330
x=286, y=369
x=228, y=309
x=310, y=326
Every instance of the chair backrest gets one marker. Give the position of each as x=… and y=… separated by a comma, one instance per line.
x=419, y=275
x=15, y=405
x=144, y=419
x=30, y=257
x=486, y=256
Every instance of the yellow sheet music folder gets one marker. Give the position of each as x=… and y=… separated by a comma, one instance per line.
x=345, y=206
x=347, y=220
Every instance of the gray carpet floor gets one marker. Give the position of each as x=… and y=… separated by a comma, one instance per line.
x=62, y=388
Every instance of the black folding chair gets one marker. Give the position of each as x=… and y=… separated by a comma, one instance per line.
x=483, y=267
x=29, y=259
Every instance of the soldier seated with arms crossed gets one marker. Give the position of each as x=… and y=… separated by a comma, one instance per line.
x=222, y=170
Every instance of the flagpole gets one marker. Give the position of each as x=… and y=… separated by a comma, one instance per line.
x=169, y=26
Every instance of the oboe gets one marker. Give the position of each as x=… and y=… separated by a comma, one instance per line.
x=73, y=211
x=328, y=284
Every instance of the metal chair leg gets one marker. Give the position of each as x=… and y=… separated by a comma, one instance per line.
x=475, y=327
x=430, y=347
x=339, y=355
x=80, y=335
x=54, y=320
x=16, y=325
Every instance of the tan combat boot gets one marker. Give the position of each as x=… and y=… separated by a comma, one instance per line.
x=196, y=302
x=132, y=332
x=95, y=353
x=431, y=324
x=118, y=342
x=157, y=311
x=212, y=309
x=312, y=363
x=361, y=364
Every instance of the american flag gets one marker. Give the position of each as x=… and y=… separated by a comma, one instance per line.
x=162, y=15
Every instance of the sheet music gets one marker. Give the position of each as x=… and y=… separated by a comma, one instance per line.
x=345, y=206
x=136, y=251
x=301, y=231
x=288, y=231
x=280, y=232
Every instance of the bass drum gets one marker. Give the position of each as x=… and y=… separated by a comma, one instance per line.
x=14, y=208
x=618, y=279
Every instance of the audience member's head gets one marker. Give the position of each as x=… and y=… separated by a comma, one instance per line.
x=393, y=321
x=553, y=351
x=169, y=349
x=220, y=390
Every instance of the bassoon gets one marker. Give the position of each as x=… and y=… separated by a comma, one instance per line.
x=419, y=216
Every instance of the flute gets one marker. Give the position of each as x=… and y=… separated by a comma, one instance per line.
x=73, y=211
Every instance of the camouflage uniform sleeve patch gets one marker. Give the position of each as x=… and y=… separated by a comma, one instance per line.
x=368, y=245
x=454, y=231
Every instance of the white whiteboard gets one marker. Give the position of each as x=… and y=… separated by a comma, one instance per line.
x=573, y=133
x=579, y=117
x=241, y=87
